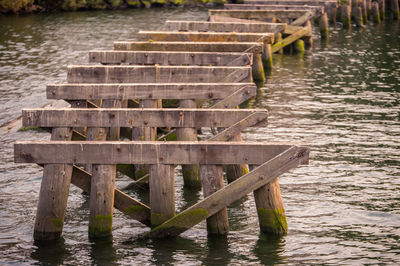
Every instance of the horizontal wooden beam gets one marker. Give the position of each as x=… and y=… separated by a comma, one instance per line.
x=290, y=39
x=262, y=175
x=158, y=74
x=203, y=26
x=258, y=14
x=318, y=9
x=245, y=47
x=328, y=3
x=173, y=36
x=171, y=58
x=147, y=152
x=125, y=91
x=134, y=117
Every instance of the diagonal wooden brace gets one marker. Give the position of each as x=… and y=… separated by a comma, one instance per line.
x=260, y=176
x=290, y=39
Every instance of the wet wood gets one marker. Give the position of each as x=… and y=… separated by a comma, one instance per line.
x=301, y=21
x=126, y=152
x=376, y=12
x=318, y=9
x=327, y=3
x=162, y=193
x=134, y=117
x=258, y=68
x=212, y=179
x=358, y=16
x=171, y=36
x=395, y=9
x=245, y=47
x=323, y=26
x=170, y=58
x=283, y=162
x=260, y=15
x=53, y=195
x=202, y=26
x=290, y=39
x=146, y=91
x=155, y=74
x=345, y=15
x=225, y=19
x=236, y=98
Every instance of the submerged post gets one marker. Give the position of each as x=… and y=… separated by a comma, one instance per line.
x=53, y=195
x=277, y=40
x=375, y=12
x=212, y=178
x=358, y=16
x=345, y=13
x=323, y=26
x=258, y=68
x=267, y=57
x=395, y=9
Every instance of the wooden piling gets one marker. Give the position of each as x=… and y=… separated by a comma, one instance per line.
x=323, y=26
x=395, y=9
x=308, y=40
x=267, y=57
x=376, y=13
x=364, y=8
x=162, y=193
x=235, y=171
x=190, y=173
x=299, y=47
x=212, y=180
x=270, y=210
x=345, y=15
x=358, y=16
x=53, y=195
x=258, y=68
x=278, y=39
x=382, y=8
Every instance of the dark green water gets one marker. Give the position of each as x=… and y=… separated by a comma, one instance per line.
x=343, y=99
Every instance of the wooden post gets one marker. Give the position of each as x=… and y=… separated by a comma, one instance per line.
x=364, y=10
x=358, y=17
x=191, y=173
x=382, y=8
x=235, y=171
x=144, y=133
x=395, y=9
x=369, y=9
x=345, y=11
x=299, y=47
x=212, y=180
x=53, y=195
x=258, y=68
x=375, y=12
x=279, y=39
x=308, y=40
x=162, y=193
x=270, y=210
x=267, y=57
x=323, y=26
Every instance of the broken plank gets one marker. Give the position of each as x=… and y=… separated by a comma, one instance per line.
x=245, y=47
x=262, y=175
x=147, y=152
x=134, y=117
x=148, y=91
x=203, y=26
x=171, y=58
x=171, y=36
x=157, y=74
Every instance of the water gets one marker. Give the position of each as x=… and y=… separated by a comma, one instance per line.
x=343, y=99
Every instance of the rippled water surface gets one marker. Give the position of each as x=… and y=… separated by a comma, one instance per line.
x=343, y=99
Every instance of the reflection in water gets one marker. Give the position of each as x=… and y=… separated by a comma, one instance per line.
x=269, y=249
x=51, y=252
x=103, y=252
x=214, y=255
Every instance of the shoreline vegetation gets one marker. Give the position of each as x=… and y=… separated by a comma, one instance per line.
x=37, y=6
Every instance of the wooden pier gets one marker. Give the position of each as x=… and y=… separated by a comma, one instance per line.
x=117, y=122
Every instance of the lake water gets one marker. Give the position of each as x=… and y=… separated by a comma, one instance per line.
x=343, y=99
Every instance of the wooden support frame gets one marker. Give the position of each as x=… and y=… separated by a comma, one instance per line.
x=303, y=31
x=260, y=15
x=171, y=58
x=158, y=74
x=318, y=9
x=173, y=36
x=205, y=26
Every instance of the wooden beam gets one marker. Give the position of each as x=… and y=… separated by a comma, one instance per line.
x=178, y=91
x=171, y=36
x=304, y=18
x=202, y=26
x=245, y=47
x=318, y=9
x=327, y=3
x=156, y=74
x=148, y=152
x=288, y=40
x=171, y=58
x=134, y=117
x=258, y=14
x=262, y=175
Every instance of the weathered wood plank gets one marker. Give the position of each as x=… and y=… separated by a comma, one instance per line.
x=156, y=74
x=258, y=14
x=171, y=58
x=203, y=26
x=149, y=152
x=288, y=40
x=123, y=202
x=327, y=3
x=318, y=9
x=171, y=36
x=225, y=19
x=262, y=175
x=245, y=47
x=125, y=91
x=134, y=117
x=235, y=98
x=304, y=18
